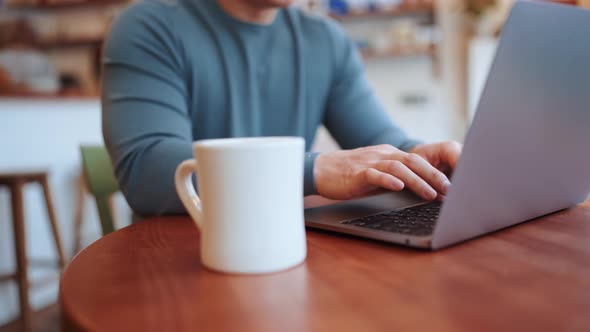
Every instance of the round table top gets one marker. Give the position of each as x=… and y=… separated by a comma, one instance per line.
x=147, y=277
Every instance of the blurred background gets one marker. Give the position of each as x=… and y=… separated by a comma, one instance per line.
x=426, y=59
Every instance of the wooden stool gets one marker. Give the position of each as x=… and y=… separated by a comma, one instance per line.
x=16, y=181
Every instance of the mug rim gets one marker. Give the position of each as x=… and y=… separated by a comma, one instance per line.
x=247, y=142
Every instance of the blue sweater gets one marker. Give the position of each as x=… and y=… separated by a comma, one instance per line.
x=176, y=71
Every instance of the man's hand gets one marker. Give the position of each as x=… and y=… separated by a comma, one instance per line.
x=356, y=173
x=443, y=156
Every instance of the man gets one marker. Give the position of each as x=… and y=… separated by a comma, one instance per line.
x=176, y=71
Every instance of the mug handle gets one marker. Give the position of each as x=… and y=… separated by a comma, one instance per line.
x=186, y=190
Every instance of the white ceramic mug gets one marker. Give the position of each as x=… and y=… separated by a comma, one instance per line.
x=250, y=204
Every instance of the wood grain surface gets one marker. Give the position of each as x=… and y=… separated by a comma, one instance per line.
x=147, y=277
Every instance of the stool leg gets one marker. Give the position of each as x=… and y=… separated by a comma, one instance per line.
x=53, y=220
x=79, y=215
x=18, y=219
x=112, y=206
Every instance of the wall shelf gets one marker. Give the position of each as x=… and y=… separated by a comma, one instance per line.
x=70, y=43
x=400, y=52
x=66, y=5
x=401, y=11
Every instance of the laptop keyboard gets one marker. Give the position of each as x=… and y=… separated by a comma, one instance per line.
x=417, y=221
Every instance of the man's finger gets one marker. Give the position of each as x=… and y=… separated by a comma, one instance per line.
x=383, y=180
x=435, y=178
x=450, y=153
x=410, y=179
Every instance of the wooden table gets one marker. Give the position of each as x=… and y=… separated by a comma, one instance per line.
x=147, y=277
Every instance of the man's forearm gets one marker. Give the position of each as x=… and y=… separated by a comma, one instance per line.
x=146, y=175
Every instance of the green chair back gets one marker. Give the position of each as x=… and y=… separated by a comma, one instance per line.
x=101, y=182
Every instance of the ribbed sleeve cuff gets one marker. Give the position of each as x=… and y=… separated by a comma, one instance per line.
x=309, y=187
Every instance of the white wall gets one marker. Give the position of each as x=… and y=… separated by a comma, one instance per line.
x=45, y=134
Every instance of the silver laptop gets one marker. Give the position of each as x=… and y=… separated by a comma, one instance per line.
x=526, y=154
